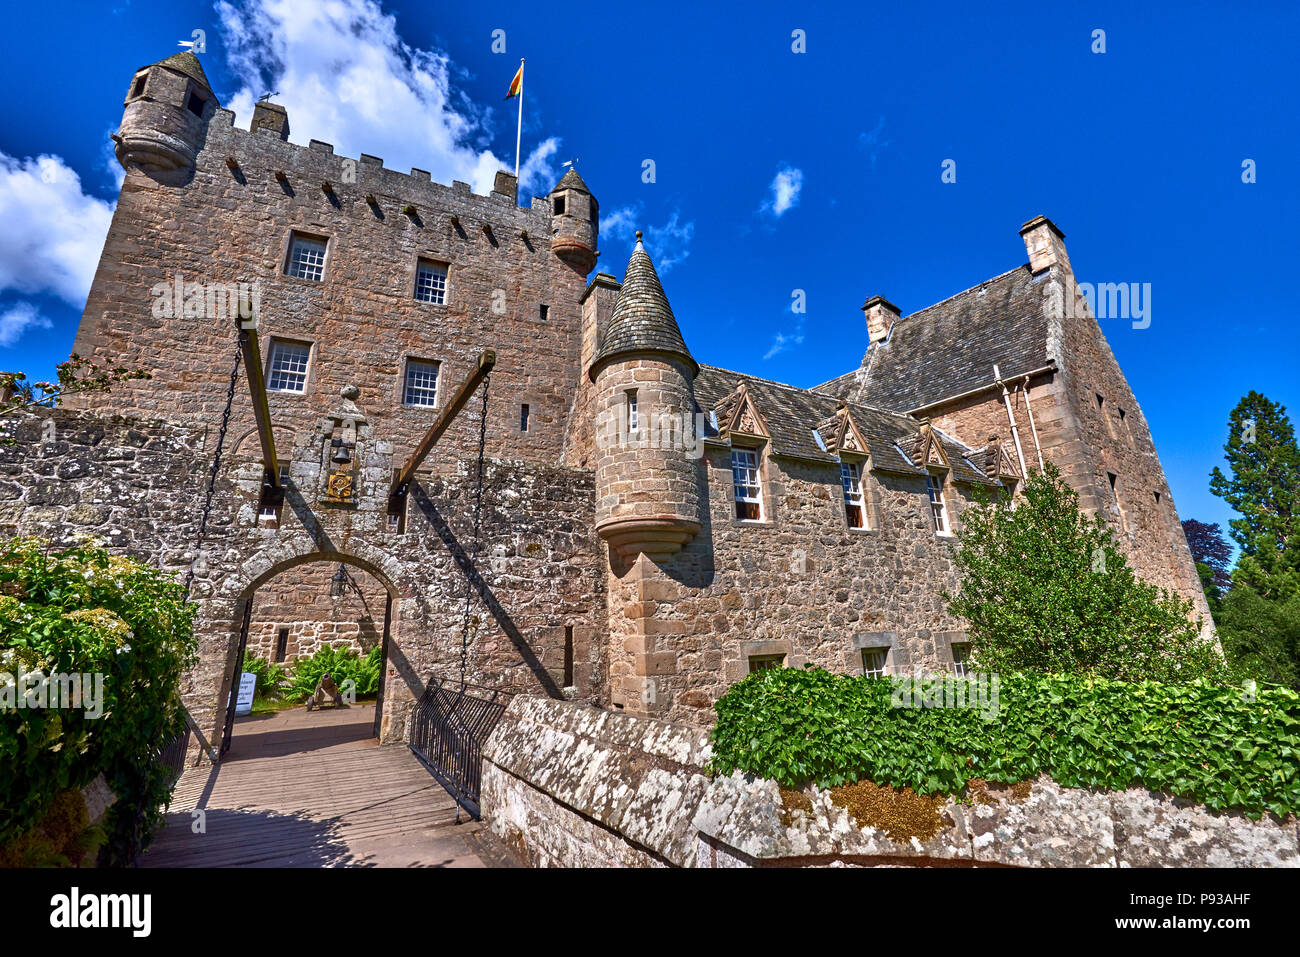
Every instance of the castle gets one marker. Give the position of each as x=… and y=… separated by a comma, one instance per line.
x=653, y=528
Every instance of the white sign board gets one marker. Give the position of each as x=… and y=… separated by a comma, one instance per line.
x=244, y=701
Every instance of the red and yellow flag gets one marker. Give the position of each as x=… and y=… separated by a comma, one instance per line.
x=517, y=84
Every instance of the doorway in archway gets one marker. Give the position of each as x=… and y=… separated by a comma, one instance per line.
x=330, y=615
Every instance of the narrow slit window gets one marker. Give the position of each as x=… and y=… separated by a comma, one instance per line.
x=854, y=506
x=421, y=386
x=744, y=473
x=544, y=312
x=289, y=364
x=431, y=283
x=633, y=417
x=523, y=417
x=281, y=644
x=306, y=258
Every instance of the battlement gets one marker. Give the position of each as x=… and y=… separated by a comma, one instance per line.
x=307, y=168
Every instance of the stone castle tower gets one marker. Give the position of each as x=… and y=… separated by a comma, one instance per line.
x=647, y=489
x=165, y=116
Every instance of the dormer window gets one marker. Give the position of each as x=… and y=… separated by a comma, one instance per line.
x=744, y=474
x=195, y=103
x=854, y=507
x=938, y=510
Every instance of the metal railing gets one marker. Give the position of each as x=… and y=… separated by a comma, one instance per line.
x=173, y=753
x=448, y=728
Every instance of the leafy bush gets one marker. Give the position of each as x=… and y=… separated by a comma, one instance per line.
x=1206, y=742
x=341, y=663
x=83, y=611
x=1046, y=589
x=1261, y=637
x=273, y=679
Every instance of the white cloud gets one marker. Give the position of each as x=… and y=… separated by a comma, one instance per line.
x=785, y=187
x=784, y=341
x=346, y=76
x=874, y=142
x=53, y=231
x=536, y=177
x=668, y=244
x=20, y=317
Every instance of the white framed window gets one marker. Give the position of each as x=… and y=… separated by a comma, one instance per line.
x=765, y=662
x=421, y=385
x=633, y=418
x=961, y=659
x=431, y=282
x=306, y=258
x=855, y=511
x=744, y=474
x=288, y=368
x=934, y=485
x=873, y=662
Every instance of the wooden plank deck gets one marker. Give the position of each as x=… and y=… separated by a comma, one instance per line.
x=300, y=789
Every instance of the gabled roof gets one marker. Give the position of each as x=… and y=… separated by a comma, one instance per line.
x=642, y=321
x=951, y=347
x=187, y=63
x=791, y=414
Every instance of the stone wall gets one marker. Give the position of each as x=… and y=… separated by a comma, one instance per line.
x=801, y=585
x=299, y=600
x=536, y=605
x=572, y=786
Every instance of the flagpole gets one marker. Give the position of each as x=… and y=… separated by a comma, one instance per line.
x=519, y=131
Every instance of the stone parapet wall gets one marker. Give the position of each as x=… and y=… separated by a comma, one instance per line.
x=572, y=786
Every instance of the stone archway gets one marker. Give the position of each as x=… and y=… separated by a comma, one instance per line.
x=221, y=616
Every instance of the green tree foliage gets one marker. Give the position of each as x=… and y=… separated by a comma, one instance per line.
x=1199, y=740
x=1261, y=637
x=75, y=376
x=1213, y=557
x=80, y=610
x=1265, y=464
x=1046, y=589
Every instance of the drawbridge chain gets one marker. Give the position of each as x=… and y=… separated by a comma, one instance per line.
x=216, y=462
x=470, y=570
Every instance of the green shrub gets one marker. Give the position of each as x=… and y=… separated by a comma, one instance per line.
x=273, y=679
x=1045, y=588
x=1206, y=742
x=81, y=610
x=341, y=663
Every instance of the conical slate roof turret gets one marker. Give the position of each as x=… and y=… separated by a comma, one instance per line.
x=571, y=180
x=642, y=322
x=187, y=63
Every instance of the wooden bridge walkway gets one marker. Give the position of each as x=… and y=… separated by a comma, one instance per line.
x=300, y=789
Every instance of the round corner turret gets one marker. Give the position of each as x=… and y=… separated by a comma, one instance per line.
x=165, y=116
x=575, y=222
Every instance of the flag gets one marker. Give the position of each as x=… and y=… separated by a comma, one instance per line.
x=517, y=84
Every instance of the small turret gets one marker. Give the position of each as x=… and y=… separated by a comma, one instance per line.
x=574, y=222
x=647, y=457
x=166, y=115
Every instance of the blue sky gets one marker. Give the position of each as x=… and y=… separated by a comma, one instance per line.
x=774, y=170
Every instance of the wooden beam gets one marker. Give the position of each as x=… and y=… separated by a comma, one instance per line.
x=257, y=392
x=462, y=395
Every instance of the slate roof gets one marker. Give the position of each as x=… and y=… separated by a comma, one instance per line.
x=571, y=180
x=187, y=63
x=950, y=348
x=792, y=413
x=642, y=320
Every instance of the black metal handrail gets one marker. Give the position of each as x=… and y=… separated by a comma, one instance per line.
x=172, y=754
x=448, y=728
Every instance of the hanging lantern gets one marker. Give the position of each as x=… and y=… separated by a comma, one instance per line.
x=339, y=583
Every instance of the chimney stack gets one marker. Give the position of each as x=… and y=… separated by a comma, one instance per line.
x=881, y=316
x=271, y=116
x=1045, y=244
